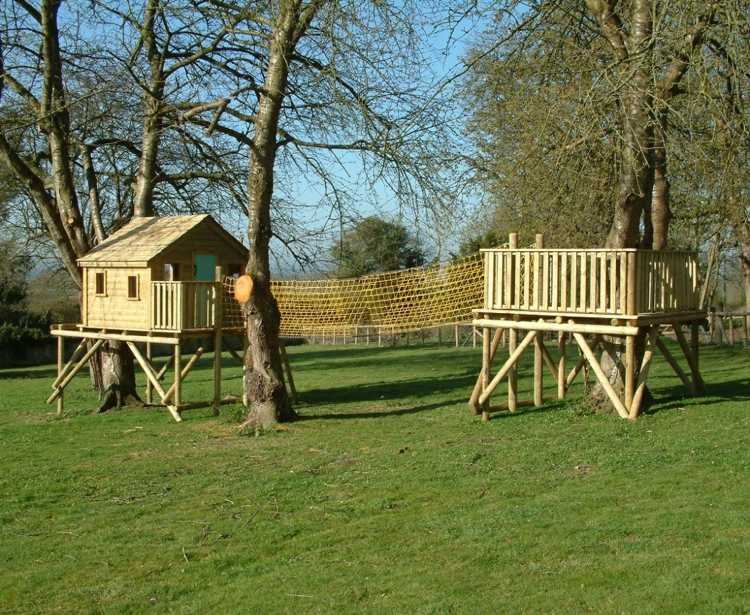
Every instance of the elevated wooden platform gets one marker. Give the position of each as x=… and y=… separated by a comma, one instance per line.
x=613, y=302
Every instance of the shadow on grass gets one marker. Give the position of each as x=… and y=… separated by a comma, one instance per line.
x=376, y=414
x=28, y=373
x=399, y=389
x=716, y=393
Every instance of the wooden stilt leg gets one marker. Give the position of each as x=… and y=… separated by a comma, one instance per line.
x=185, y=371
x=691, y=357
x=177, y=376
x=60, y=355
x=640, y=387
x=149, y=388
x=288, y=369
x=74, y=370
x=530, y=337
x=538, y=371
x=629, y=370
x=561, y=339
x=148, y=370
x=71, y=362
x=476, y=392
x=695, y=343
x=513, y=373
x=486, y=361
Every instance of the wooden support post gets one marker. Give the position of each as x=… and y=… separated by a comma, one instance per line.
x=148, y=370
x=74, y=370
x=288, y=368
x=691, y=357
x=538, y=342
x=538, y=372
x=476, y=392
x=695, y=345
x=149, y=388
x=486, y=362
x=513, y=373
x=185, y=371
x=629, y=370
x=218, y=333
x=675, y=366
x=561, y=383
x=731, y=330
x=177, y=376
x=71, y=362
x=601, y=376
x=455, y=327
x=60, y=355
x=530, y=337
x=640, y=387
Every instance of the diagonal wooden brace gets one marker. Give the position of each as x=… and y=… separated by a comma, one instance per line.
x=148, y=370
x=185, y=371
x=530, y=337
x=73, y=358
x=74, y=371
x=601, y=376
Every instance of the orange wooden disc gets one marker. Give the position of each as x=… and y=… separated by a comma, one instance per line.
x=243, y=288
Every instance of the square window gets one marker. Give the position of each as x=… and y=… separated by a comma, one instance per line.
x=101, y=284
x=132, y=287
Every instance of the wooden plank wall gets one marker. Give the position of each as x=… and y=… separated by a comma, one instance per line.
x=115, y=310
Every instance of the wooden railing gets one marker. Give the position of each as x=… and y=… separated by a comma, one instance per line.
x=599, y=282
x=177, y=306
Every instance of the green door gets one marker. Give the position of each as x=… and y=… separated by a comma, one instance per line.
x=205, y=271
x=205, y=267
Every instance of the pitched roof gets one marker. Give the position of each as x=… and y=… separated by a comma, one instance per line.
x=143, y=239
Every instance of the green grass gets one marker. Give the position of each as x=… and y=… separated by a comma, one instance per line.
x=387, y=497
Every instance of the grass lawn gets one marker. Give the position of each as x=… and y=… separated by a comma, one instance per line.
x=386, y=497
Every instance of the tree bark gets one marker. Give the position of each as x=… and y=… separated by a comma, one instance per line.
x=264, y=384
x=636, y=181
x=743, y=237
x=143, y=198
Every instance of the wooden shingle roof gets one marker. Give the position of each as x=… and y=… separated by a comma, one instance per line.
x=142, y=239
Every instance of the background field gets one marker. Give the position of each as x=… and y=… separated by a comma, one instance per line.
x=386, y=497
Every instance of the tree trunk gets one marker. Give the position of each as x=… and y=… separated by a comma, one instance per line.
x=743, y=236
x=660, y=212
x=264, y=383
x=636, y=178
x=118, y=376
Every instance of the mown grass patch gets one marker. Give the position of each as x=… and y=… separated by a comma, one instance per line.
x=387, y=496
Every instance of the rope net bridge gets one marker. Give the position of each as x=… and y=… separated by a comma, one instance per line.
x=393, y=302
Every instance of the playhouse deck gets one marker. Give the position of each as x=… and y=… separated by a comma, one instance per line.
x=597, y=298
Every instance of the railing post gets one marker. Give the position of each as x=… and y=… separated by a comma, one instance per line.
x=538, y=373
x=632, y=287
x=218, y=331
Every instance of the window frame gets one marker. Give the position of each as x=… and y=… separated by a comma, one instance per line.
x=103, y=293
x=137, y=296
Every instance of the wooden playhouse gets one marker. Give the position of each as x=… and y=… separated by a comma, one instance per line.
x=156, y=281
